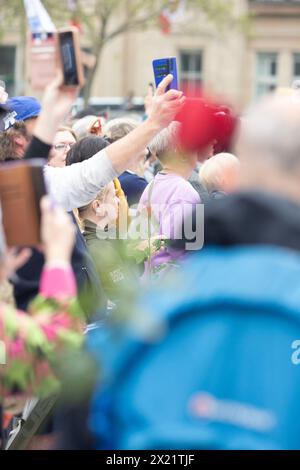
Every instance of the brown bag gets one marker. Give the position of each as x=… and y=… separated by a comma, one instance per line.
x=21, y=189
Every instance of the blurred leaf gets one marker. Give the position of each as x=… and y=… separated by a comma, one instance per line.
x=19, y=374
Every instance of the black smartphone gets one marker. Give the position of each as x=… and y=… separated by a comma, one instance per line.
x=70, y=54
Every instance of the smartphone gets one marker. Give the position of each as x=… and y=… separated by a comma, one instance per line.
x=22, y=186
x=162, y=68
x=42, y=60
x=70, y=57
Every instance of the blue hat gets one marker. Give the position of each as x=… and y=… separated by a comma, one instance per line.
x=19, y=108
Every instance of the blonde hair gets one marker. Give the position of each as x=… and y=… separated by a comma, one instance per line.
x=123, y=205
x=68, y=129
x=214, y=171
x=100, y=197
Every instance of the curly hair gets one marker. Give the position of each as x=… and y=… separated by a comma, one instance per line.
x=8, y=145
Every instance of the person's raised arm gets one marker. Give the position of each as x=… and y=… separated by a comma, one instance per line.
x=56, y=105
x=57, y=102
x=165, y=107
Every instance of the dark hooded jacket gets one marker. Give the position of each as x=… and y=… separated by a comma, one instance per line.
x=250, y=218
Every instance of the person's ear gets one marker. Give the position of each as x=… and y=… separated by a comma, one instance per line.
x=95, y=206
x=20, y=140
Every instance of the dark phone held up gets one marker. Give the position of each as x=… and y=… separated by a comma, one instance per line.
x=70, y=57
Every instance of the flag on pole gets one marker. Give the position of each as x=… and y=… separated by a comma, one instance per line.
x=38, y=17
x=175, y=13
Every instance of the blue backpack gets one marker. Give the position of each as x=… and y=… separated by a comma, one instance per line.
x=207, y=361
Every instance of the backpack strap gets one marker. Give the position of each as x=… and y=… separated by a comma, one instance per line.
x=149, y=217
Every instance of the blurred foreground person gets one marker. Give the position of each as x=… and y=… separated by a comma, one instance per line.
x=217, y=347
x=220, y=175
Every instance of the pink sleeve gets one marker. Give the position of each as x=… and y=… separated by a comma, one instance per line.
x=58, y=283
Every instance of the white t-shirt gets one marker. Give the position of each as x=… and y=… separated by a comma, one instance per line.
x=76, y=185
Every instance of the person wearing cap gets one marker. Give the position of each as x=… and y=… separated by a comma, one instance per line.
x=17, y=121
x=20, y=108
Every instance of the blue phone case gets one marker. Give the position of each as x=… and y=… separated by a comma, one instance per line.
x=162, y=68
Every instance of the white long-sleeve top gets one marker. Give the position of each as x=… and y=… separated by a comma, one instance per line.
x=77, y=185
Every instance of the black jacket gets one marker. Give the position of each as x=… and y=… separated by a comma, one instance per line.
x=248, y=218
x=133, y=186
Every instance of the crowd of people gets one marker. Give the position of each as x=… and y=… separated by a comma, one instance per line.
x=190, y=341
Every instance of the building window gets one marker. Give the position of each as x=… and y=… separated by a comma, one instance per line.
x=190, y=70
x=266, y=73
x=7, y=67
x=296, y=66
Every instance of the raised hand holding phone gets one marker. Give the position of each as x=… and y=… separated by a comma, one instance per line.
x=57, y=103
x=165, y=104
x=70, y=57
x=164, y=67
x=59, y=50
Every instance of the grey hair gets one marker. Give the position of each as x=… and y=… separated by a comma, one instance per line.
x=166, y=141
x=81, y=126
x=117, y=128
x=271, y=130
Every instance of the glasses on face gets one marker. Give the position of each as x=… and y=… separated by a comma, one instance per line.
x=62, y=147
